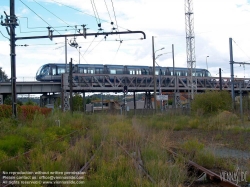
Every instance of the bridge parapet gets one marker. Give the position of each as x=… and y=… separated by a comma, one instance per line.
x=104, y=82
x=31, y=87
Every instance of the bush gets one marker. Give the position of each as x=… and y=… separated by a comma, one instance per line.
x=13, y=144
x=222, y=120
x=5, y=111
x=211, y=102
x=24, y=112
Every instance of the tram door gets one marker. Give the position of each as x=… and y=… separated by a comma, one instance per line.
x=54, y=74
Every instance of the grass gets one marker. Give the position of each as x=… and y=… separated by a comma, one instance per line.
x=70, y=146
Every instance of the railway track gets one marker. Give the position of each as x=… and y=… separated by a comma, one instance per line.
x=203, y=173
x=138, y=163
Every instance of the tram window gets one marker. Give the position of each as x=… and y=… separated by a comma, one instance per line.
x=53, y=70
x=45, y=71
x=131, y=72
x=85, y=70
x=80, y=70
x=156, y=72
x=112, y=71
x=61, y=70
x=198, y=74
x=98, y=70
x=90, y=71
x=138, y=72
x=178, y=73
x=119, y=71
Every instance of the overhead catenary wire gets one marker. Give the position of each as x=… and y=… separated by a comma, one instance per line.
x=96, y=45
x=32, y=28
x=28, y=27
x=108, y=12
x=82, y=56
x=52, y=13
x=103, y=20
x=94, y=12
x=4, y=36
x=115, y=18
x=89, y=46
x=116, y=52
x=38, y=15
x=241, y=50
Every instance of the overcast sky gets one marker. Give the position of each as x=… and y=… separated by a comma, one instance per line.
x=215, y=21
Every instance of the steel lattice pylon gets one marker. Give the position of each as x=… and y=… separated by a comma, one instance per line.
x=190, y=46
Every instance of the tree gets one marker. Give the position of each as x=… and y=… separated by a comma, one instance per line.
x=30, y=102
x=8, y=101
x=3, y=76
x=77, y=102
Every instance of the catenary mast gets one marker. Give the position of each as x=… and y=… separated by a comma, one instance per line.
x=190, y=46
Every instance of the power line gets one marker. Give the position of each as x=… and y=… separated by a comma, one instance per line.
x=82, y=56
x=108, y=12
x=86, y=13
x=241, y=49
x=96, y=45
x=117, y=52
x=94, y=11
x=4, y=36
x=89, y=46
x=115, y=17
x=20, y=27
x=52, y=13
x=37, y=15
x=28, y=24
x=43, y=27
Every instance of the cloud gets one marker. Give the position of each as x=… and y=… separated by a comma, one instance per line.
x=215, y=21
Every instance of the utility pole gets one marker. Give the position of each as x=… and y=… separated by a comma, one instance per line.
x=232, y=70
x=71, y=84
x=173, y=59
x=66, y=58
x=11, y=22
x=220, y=79
x=231, y=62
x=13, y=25
x=153, y=48
x=79, y=54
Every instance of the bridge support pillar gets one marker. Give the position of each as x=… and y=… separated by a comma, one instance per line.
x=134, y=103
x=83, y=101
x=177, y=100
x=65, y=101
x=48, y=100
x=148, y=101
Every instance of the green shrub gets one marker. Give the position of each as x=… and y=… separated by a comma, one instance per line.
x=211, y=102
x=222, y=120
x=13, y=144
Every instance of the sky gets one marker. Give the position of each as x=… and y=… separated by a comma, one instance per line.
x=215, y=21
